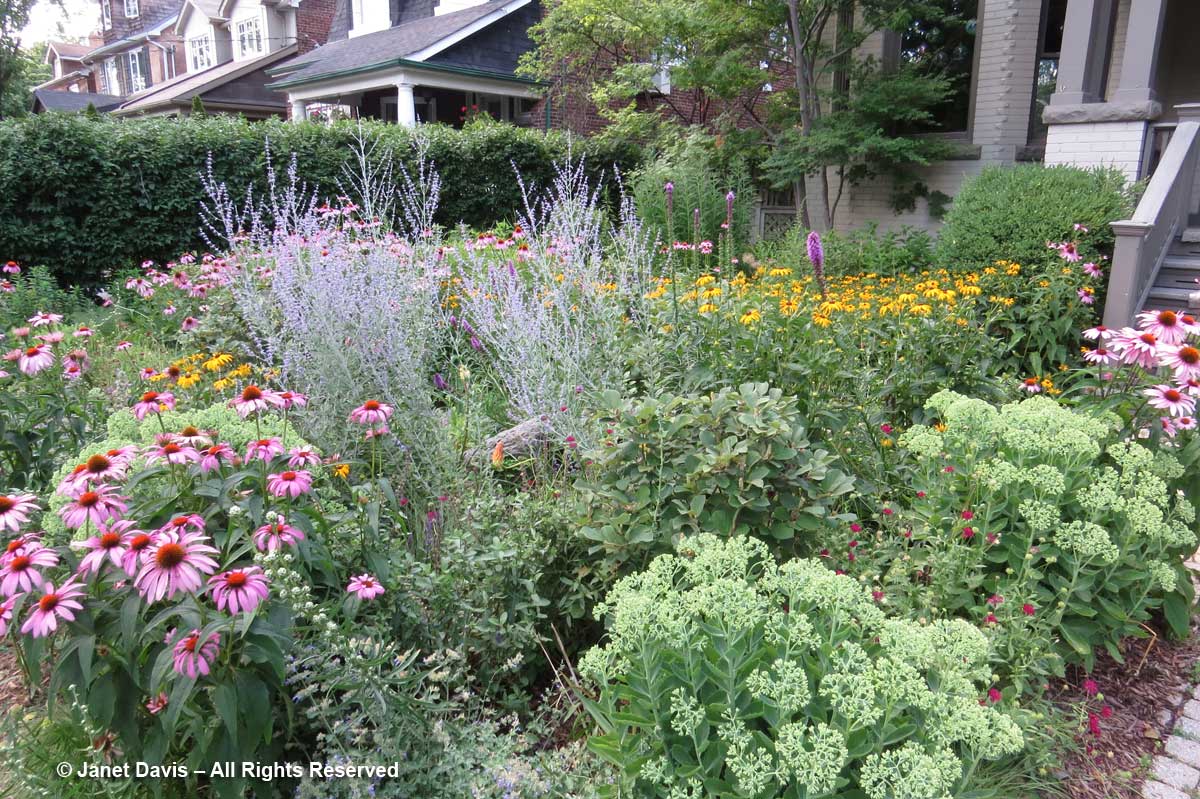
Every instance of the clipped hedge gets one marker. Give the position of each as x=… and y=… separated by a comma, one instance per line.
x=1011, y=212
x=83, y=196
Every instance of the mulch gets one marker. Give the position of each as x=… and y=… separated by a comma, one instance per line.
x=12, y=685
x=1110, y=765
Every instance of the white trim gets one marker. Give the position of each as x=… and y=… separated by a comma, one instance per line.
x=240, y=53
x=469, y=30
x=209, y=51
x=186, y=9
x=137, y=9
x=324, y=90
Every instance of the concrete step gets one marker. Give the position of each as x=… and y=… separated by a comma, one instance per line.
x=1190, y=235
x=1166, y=298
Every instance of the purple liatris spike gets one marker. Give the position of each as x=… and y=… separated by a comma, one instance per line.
x=729, y=198
x=476, y=344
x=439, y=382
x=816, y=254
x=669, y=188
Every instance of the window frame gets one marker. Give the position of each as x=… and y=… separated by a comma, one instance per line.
x=137, y=80
x=239, y=37
x=106, y=14
x=132, y=4
x=112, y=76
x=194, y=45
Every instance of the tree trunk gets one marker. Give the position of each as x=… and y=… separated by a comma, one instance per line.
x=816, y=205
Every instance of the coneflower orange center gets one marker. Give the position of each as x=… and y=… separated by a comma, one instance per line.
x=190, y=642
x=1167, y=318
x=170, y=555
x=189, y=431
x=288, y=475
x=139, y=542
x=97, y=464
x=179, y=521
x=235, y=579
x=19, y=564
x=110, y=540
x=1189, y=355
x=7, y=504
x=32, y=351
x=150, y=396
x=251, y=393
x=14, y=545
x=48, y=602
x=1172, y=395
x=174, y=371
x=171, y=448
x=1149, y=338
x=88, y=498
x=371, y=405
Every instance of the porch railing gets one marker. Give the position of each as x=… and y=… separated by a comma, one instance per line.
x=1144, y=240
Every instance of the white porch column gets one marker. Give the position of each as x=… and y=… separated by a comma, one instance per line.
x=299, y=111
x=1142, y=44
x=406, y=108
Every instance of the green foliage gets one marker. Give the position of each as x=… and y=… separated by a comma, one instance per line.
x=84, y=197
x=700, y=175
x=20, y=70
x=864, y=250
x=735, y=462
x=34, y=291
x=1011, y=212
x=1037, y=522
x=727, y=675
x=198, y=107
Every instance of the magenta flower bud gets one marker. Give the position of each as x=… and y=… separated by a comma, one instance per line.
x=816, y=253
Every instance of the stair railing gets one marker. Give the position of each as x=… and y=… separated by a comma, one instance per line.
x=1144, y=240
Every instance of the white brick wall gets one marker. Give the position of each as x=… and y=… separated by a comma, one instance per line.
x=1116, y=144
x=1120, y=29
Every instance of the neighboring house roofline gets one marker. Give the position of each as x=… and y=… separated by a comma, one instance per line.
x=191, y=5
x=162, y=95
x=56, y=48
x=402, y=62
x=468, y=30
x=121, y=44
x=79, y=73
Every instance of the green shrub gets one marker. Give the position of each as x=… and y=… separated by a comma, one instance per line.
x=734, y=462
x=726, y=675
x=1012, y=212
x=85, y=196
x=863, y=251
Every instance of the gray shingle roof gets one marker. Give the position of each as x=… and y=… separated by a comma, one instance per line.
x=53, y=100
x=401, y=41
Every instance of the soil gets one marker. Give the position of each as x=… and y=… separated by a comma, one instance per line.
x=1156, y=672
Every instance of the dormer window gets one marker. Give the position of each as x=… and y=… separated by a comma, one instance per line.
x=137, y=70
x=200, y=52
x=105, y=15
x=248, y=35
x=131, y=8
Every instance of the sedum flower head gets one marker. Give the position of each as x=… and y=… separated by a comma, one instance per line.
x=909, y=772
x=1088, y=541
x=811, y=756
x=1042, y=517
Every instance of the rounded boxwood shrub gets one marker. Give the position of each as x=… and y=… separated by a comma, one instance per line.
x=1011, y=212
x=726, y=675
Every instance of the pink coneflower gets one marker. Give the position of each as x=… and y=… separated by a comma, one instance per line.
x=194, y=659
x=264, y=449
x=53, y=337
x=43, y=319
x=23, y=570
x=15, y=510
x=253, y=399
x=111, y=544
x=1170, y=399
x=157, y=704
x=124, y=345
x=1097, y=333
x=7, y=286
x=6, y=613
x=18, y=545
x=192, y=437
x=11, y=268
x=371, y=412
x=276, y=535
x=1185, y=423
x=1067, y=251
x=1191, y=386
x=97, y=506
x=1099, y=355
x=52, y=605
x=147, y=372
x=289, y=484
x=1166, y=326
x=173, y=453
x=169, y=310
x=153, y=402
x=303, y=456
x=364, y=586
x=100, y=468
x=187, y=523
x=35, y=359
x=1137, y=347
x=174, y=563
x=210, y=458
x=1086, y=295
x=1091, y=270
x=189, y=323
x=239, y=590
x=140, y=543
x=290, y=399
x=1184, y=360
x=376, y=432
x=1032, y=385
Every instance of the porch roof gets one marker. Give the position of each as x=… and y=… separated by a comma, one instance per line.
x=409, y=44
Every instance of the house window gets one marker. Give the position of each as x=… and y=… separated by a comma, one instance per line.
x=109, y=79
x=138, y=73
x=249, y=37
x=1054, y=16
x=131, y=8
x=943, y=43
x=200, y=52
x=105, y=14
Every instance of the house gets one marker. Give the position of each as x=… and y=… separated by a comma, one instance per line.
x=413, y=61
x=65, y=60
x=229, y=45
x=140, y=48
